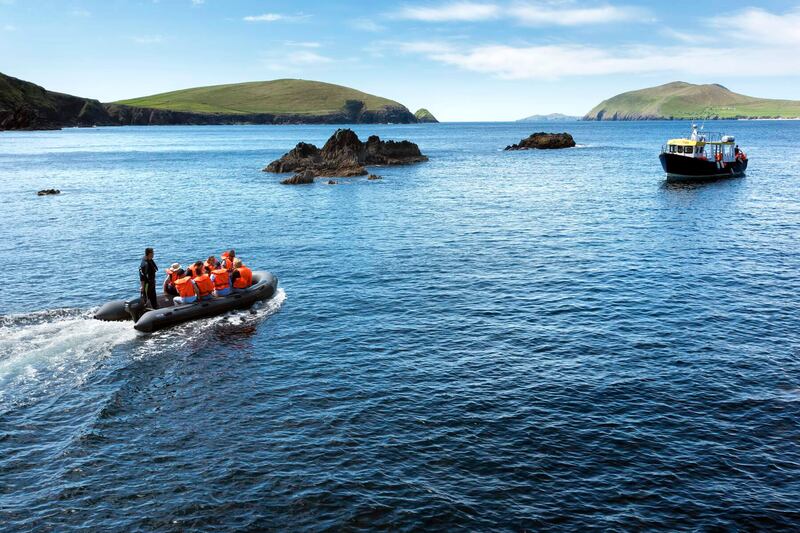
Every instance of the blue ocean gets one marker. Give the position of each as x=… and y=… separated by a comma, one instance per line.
x=533, y=340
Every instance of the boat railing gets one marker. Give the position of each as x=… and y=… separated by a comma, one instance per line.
x=709, y=136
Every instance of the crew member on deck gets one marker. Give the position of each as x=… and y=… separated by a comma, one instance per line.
x=147, y=277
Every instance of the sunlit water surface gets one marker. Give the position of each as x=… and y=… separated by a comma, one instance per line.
x=541, y=339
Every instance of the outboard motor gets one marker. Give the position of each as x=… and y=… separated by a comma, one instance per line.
x=135, y=308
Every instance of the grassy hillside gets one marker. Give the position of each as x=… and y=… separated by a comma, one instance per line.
x=297, y=97
x=680, y=100
x=423, y=115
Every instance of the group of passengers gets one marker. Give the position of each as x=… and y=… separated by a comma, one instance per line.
x=207, y=279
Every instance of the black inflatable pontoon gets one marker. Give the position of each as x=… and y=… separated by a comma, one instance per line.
x=263, y=288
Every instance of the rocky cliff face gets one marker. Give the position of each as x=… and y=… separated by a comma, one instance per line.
x=354, y=113
x=344, y=154
x=27, y=106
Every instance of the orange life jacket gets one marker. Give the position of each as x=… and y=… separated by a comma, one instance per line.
x=718, y=157
x=172, y=275
x=204, y=285
x=245, y=278
x=221, y=279
x=184, y=286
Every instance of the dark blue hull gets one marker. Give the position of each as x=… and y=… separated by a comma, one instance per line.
x=682, y=168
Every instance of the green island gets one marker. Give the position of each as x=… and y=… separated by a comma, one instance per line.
x=423, y=115
x=681, y=100
x=285, y=96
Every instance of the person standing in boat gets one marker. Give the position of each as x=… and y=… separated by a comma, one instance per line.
x=147, y=277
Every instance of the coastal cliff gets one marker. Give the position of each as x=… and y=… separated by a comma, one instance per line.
x=25, y=105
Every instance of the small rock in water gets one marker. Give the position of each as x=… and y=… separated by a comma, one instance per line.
x=544, y=141
x=374, y=177
x=47, y=192
x=332, y=182
x=301, y=178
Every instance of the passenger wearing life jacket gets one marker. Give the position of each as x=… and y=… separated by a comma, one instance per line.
x=205, y=287
x=187, y=290
x=210, y=264
x=227, y=260
x=196, y=269
x=222, y=282
x=242, y=276
x=169, y=281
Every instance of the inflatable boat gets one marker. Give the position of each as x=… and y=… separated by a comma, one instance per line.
x=168, y=314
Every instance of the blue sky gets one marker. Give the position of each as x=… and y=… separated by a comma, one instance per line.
x=463, y=60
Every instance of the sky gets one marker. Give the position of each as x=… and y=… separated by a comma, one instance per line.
x=462, y=60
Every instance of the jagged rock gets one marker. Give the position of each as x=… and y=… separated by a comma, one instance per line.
x=544, y=140
x=301, y=178
x=332, y=182
x=344, y=155
x=48, y=192
x=374, y=177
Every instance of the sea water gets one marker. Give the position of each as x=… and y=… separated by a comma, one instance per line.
x=515, y=340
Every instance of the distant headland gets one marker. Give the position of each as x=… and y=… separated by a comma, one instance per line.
x=680, y=100
x=25, y=105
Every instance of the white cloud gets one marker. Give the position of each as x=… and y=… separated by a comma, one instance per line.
x=148, y=39
x=539, y=13
x=9, y=27
x=266, y=17
x=198, y=2
x=557, y=61
x=457, y=11
x=274, y=17
x=764, y=27
x=364, y=24
x=307, y=57
x=558, y=14
x=302, y=44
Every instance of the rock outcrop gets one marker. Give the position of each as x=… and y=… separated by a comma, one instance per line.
x=544, y=141
x=301, y=178
x=48, y=192
x=344, y=155
x=423, y=115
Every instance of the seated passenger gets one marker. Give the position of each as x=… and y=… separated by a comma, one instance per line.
x=169, y=282
x=196, y=269
x=187, y=290
x=205, y=287
x=222, y=282
x=227, y=259
x=242, y=276
x=210, y=264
